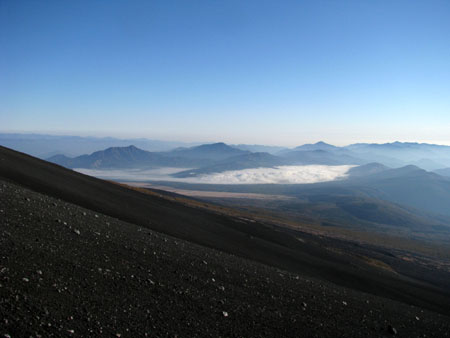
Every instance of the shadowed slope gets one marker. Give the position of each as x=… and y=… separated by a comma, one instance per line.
x=68, y=271
x=260, y=242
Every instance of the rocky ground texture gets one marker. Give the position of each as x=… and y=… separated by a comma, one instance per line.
x=66, y=271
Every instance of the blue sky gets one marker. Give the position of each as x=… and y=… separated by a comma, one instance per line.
x=273, y=72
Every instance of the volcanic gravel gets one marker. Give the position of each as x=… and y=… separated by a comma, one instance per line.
x=66, y=271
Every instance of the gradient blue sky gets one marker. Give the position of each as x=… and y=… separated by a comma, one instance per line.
x=273, y=72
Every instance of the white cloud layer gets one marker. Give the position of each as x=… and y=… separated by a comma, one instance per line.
x=278, y=175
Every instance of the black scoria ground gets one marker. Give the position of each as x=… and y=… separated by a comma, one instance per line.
x=69, y=271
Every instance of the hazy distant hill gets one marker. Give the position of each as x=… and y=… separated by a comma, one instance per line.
x=245, y=161
x=321, y=153
x=427, y=156
x=316, y=146
x=428, y=164
x=443, y=172
x=114, y=157
x=126, y=157
x=215, y=152
x=258, y=148
x=133, y=157
x=396, y=154
x=45, y=146
x=304, y=157
x=367, y=169
x=410, y=186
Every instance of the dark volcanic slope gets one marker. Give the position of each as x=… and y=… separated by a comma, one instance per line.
x=265, y=243
x=69, y=271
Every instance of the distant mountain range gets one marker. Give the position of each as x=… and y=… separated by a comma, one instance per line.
x=427, y=156
x=133, y=157
x=396, y=154
x=213, y=152
x=219, y=157
x=207, y=158
x=405, y=184
x=408, y=185
x=115, y=157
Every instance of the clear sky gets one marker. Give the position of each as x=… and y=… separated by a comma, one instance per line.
x=273, y=72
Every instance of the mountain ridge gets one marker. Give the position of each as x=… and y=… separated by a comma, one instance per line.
x=432, y=157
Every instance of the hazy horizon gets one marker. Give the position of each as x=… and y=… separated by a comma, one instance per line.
x=212, y=140
x=239, y=72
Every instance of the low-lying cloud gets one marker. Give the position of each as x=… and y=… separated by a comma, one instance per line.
x=278, y=175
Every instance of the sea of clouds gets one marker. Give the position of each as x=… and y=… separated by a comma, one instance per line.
x=277, y=175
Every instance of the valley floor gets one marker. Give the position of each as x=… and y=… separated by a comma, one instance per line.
x=208, y=194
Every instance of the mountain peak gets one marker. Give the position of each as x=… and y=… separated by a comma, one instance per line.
x=210, y=152
x=126, y=149
x=316, y=146
x=213, y=145
x=410, y=168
